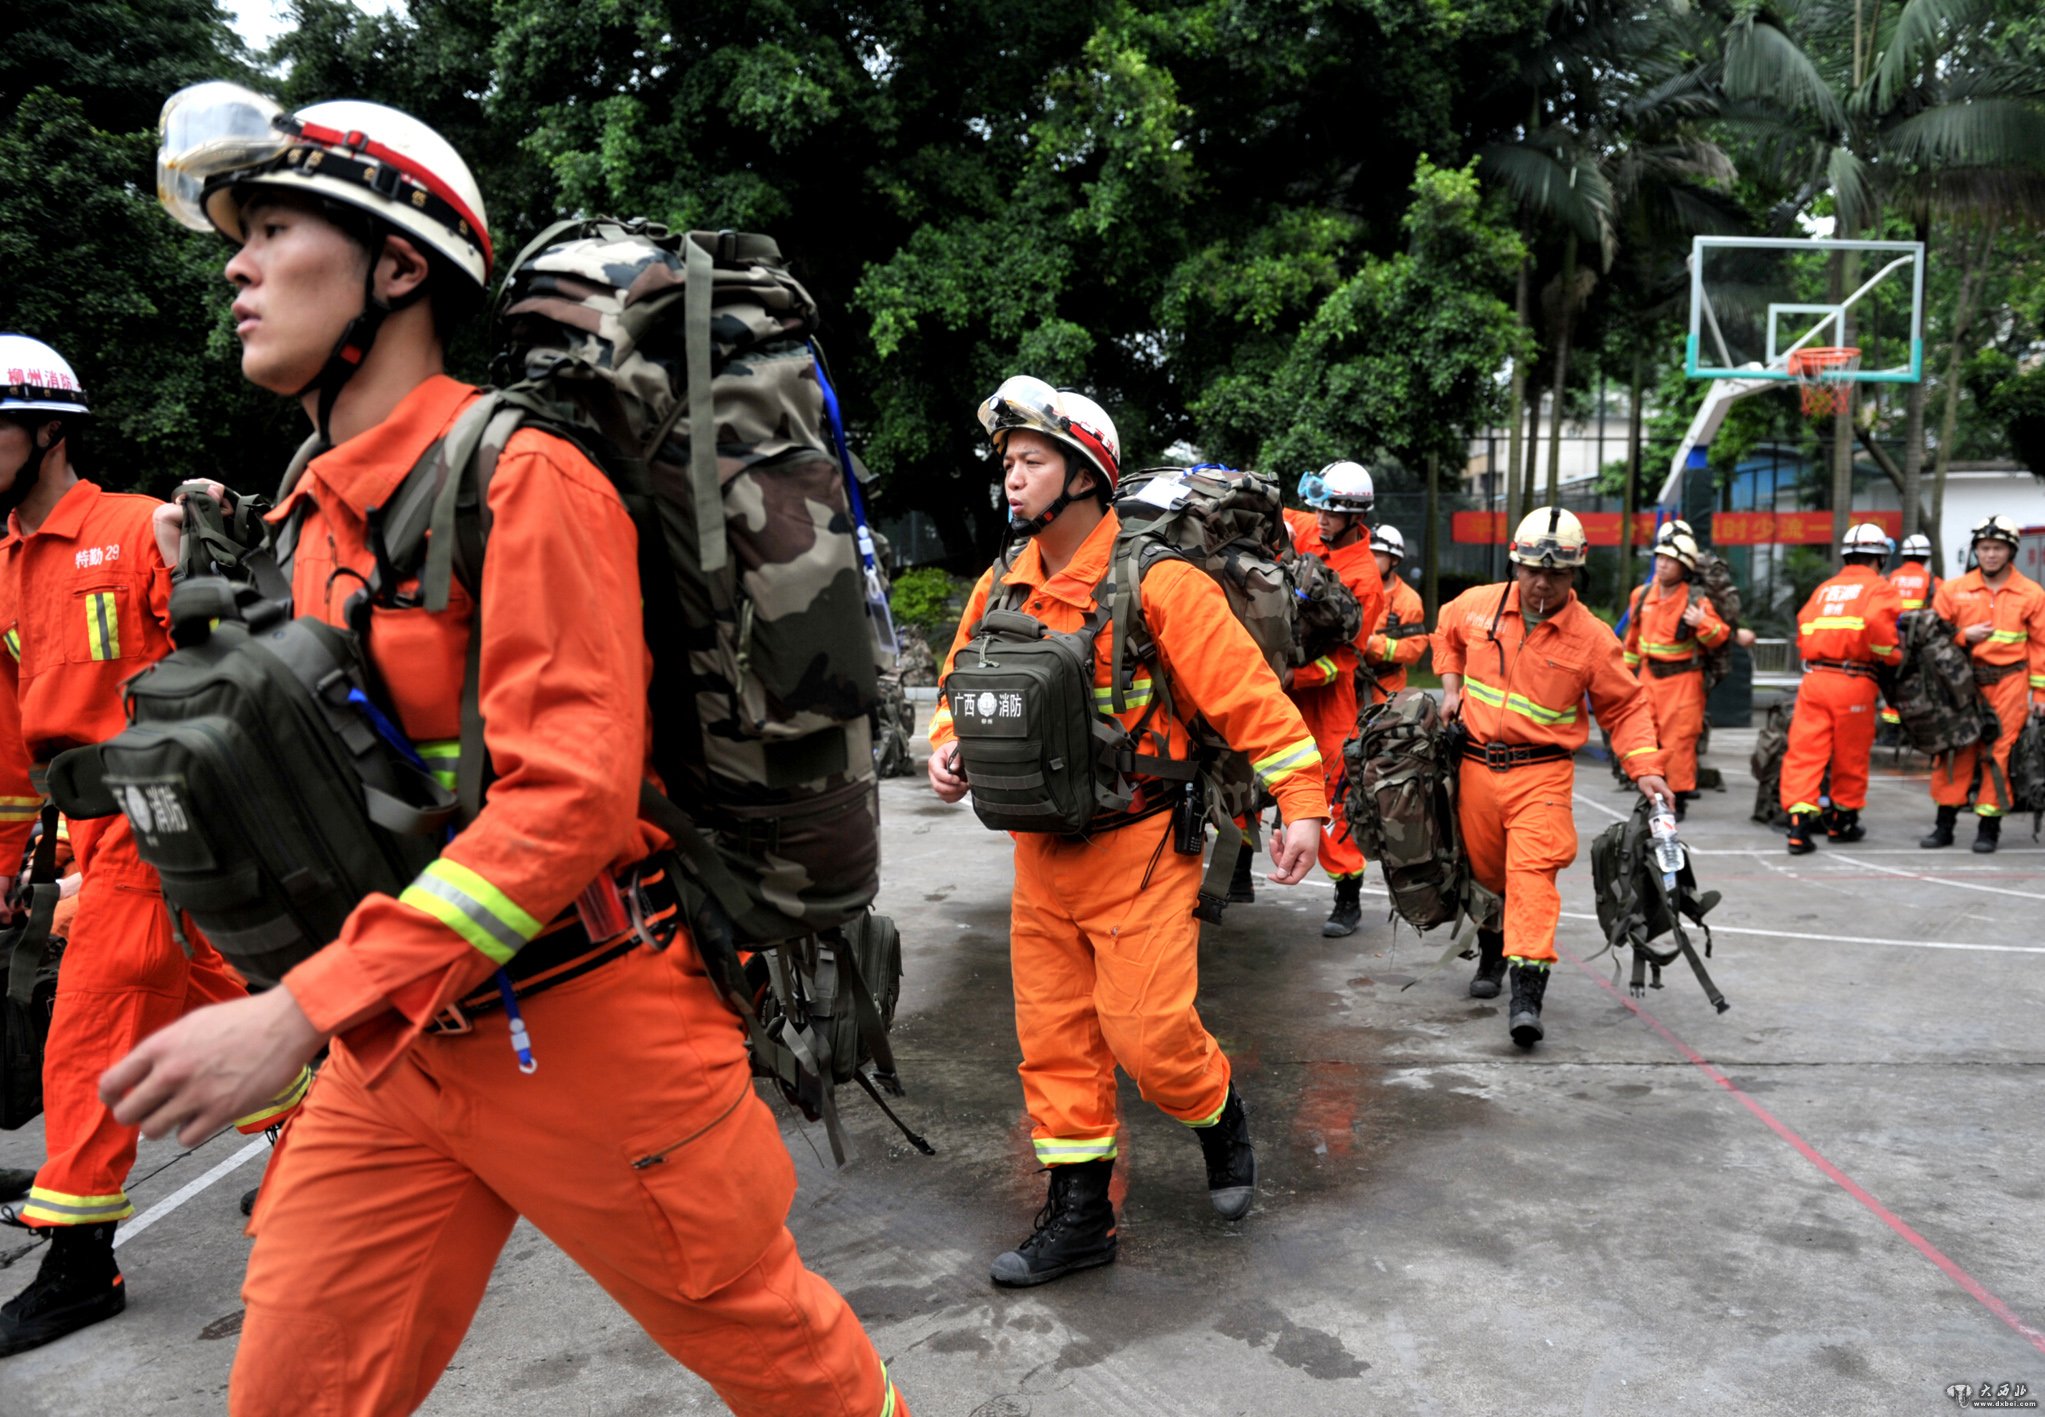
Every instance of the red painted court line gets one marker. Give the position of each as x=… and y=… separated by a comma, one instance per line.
x=1811, y=1154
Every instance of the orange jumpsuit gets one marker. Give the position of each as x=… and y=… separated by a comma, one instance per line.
x=1103, y=946
x=1396, y=643
x=2010, y=668
x=1845, y=629
x=85, y=599
x=1668, y=655
x=1526, y=689
x=1325, y=691
x=1915, y=585
x=636, y=1144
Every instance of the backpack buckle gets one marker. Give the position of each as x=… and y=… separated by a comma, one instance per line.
x=450, y=1021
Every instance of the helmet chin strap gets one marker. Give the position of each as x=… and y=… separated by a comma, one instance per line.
x=351, y=350
x=31, y=472
x=1020, y=526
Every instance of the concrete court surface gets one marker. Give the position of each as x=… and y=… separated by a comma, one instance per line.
x=1842, y=1215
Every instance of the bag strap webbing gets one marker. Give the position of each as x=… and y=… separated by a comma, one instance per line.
x=707, y=493
x=25, y=956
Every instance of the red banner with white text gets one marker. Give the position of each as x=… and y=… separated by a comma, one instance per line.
x=1727, y=528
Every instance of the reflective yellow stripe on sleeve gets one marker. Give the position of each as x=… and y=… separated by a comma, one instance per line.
x=103, y=625
x=19, y=809
x=2038, y=681
x=14, y=643
x=1300, y=756
x=1632, y=659
x=1633, y=753
x=2008, y=637
x=473, y=908
x=1326, y=666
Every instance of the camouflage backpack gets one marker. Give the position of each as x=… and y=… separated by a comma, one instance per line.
x=1932, y=689
x=1714, y=582
x=2027, y=773
x=1401, y=805
x=1326, y=615
x=682, y=364
x=1635, y=907
x=1771, y=744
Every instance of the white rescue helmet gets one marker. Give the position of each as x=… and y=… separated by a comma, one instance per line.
x=1674, y=526
x=1999, y=529
x=1388, y=540
x=1548, y=536
x=36, y=379
x=1339, y=487
x=1069, y=418
x=1679, y=547
x=1916, y=546
x=1865, y=539
x=219, y=142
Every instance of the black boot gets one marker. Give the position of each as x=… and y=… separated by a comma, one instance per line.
x=1987, y=833
x=1074, y=1230
x=1348, y=911
x=1942, y=833
x=14, y=1184
x=79, y=1284
x=1231, y=1160
x=1801, y=825
x=1490, y=964
x=1843, y=824
x=1242, y=886
x=1529, y=984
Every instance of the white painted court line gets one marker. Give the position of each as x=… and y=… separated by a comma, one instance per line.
x=1940, y=880
x=178, y=1197
x=1601, y=807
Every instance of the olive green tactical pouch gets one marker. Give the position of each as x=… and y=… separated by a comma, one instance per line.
x=1030, y=739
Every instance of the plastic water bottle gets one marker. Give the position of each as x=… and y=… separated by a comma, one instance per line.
x=1667, y=850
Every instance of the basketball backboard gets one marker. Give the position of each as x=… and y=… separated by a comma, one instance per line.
x=1771, y=307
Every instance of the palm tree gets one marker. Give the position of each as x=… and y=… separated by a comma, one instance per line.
x=1921, y=112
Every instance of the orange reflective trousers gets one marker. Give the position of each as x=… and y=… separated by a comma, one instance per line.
x=123, y=978
x=1952, y=783
x=637, y=1146
x=1518, y=831
x=1834, y=724
x=1330, y=716
x=1105, y=966
x=1678, y=704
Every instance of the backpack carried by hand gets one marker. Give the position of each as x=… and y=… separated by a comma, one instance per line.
x=1635, y=907
x=29, y=959
x=1932, y=689
x=1771, y=745
x=1326, y=615
x=1040, y=744
x=2027, y=773
x=1402, y=765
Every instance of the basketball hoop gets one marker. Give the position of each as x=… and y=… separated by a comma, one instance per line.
x=1820, y=372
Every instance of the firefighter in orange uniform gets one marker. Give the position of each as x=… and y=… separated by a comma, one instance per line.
x=1516, y=662
x=84, y=599
x=2000, y=614
x=1846, y=629
x=1668, y=629
x=1915, y=584
x=627, y=1130
x=1338, y=531
x=1103, y=945
x=1399, y=639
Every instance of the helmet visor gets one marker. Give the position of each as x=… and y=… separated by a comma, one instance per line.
x=1548, y=550
x=206, y=131
x=1023, y=402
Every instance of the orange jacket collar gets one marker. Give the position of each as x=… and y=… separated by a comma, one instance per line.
x=65, y=519
x=365, y=470
x=1088, y=567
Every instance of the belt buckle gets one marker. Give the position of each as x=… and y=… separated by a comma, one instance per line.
x=1497, y=756
x=450, y=1021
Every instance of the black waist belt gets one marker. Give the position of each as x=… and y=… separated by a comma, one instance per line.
x=1501, y=756
x=1857, y=667
x=554, y=958
x=1670, y=668
x=1996, y=673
